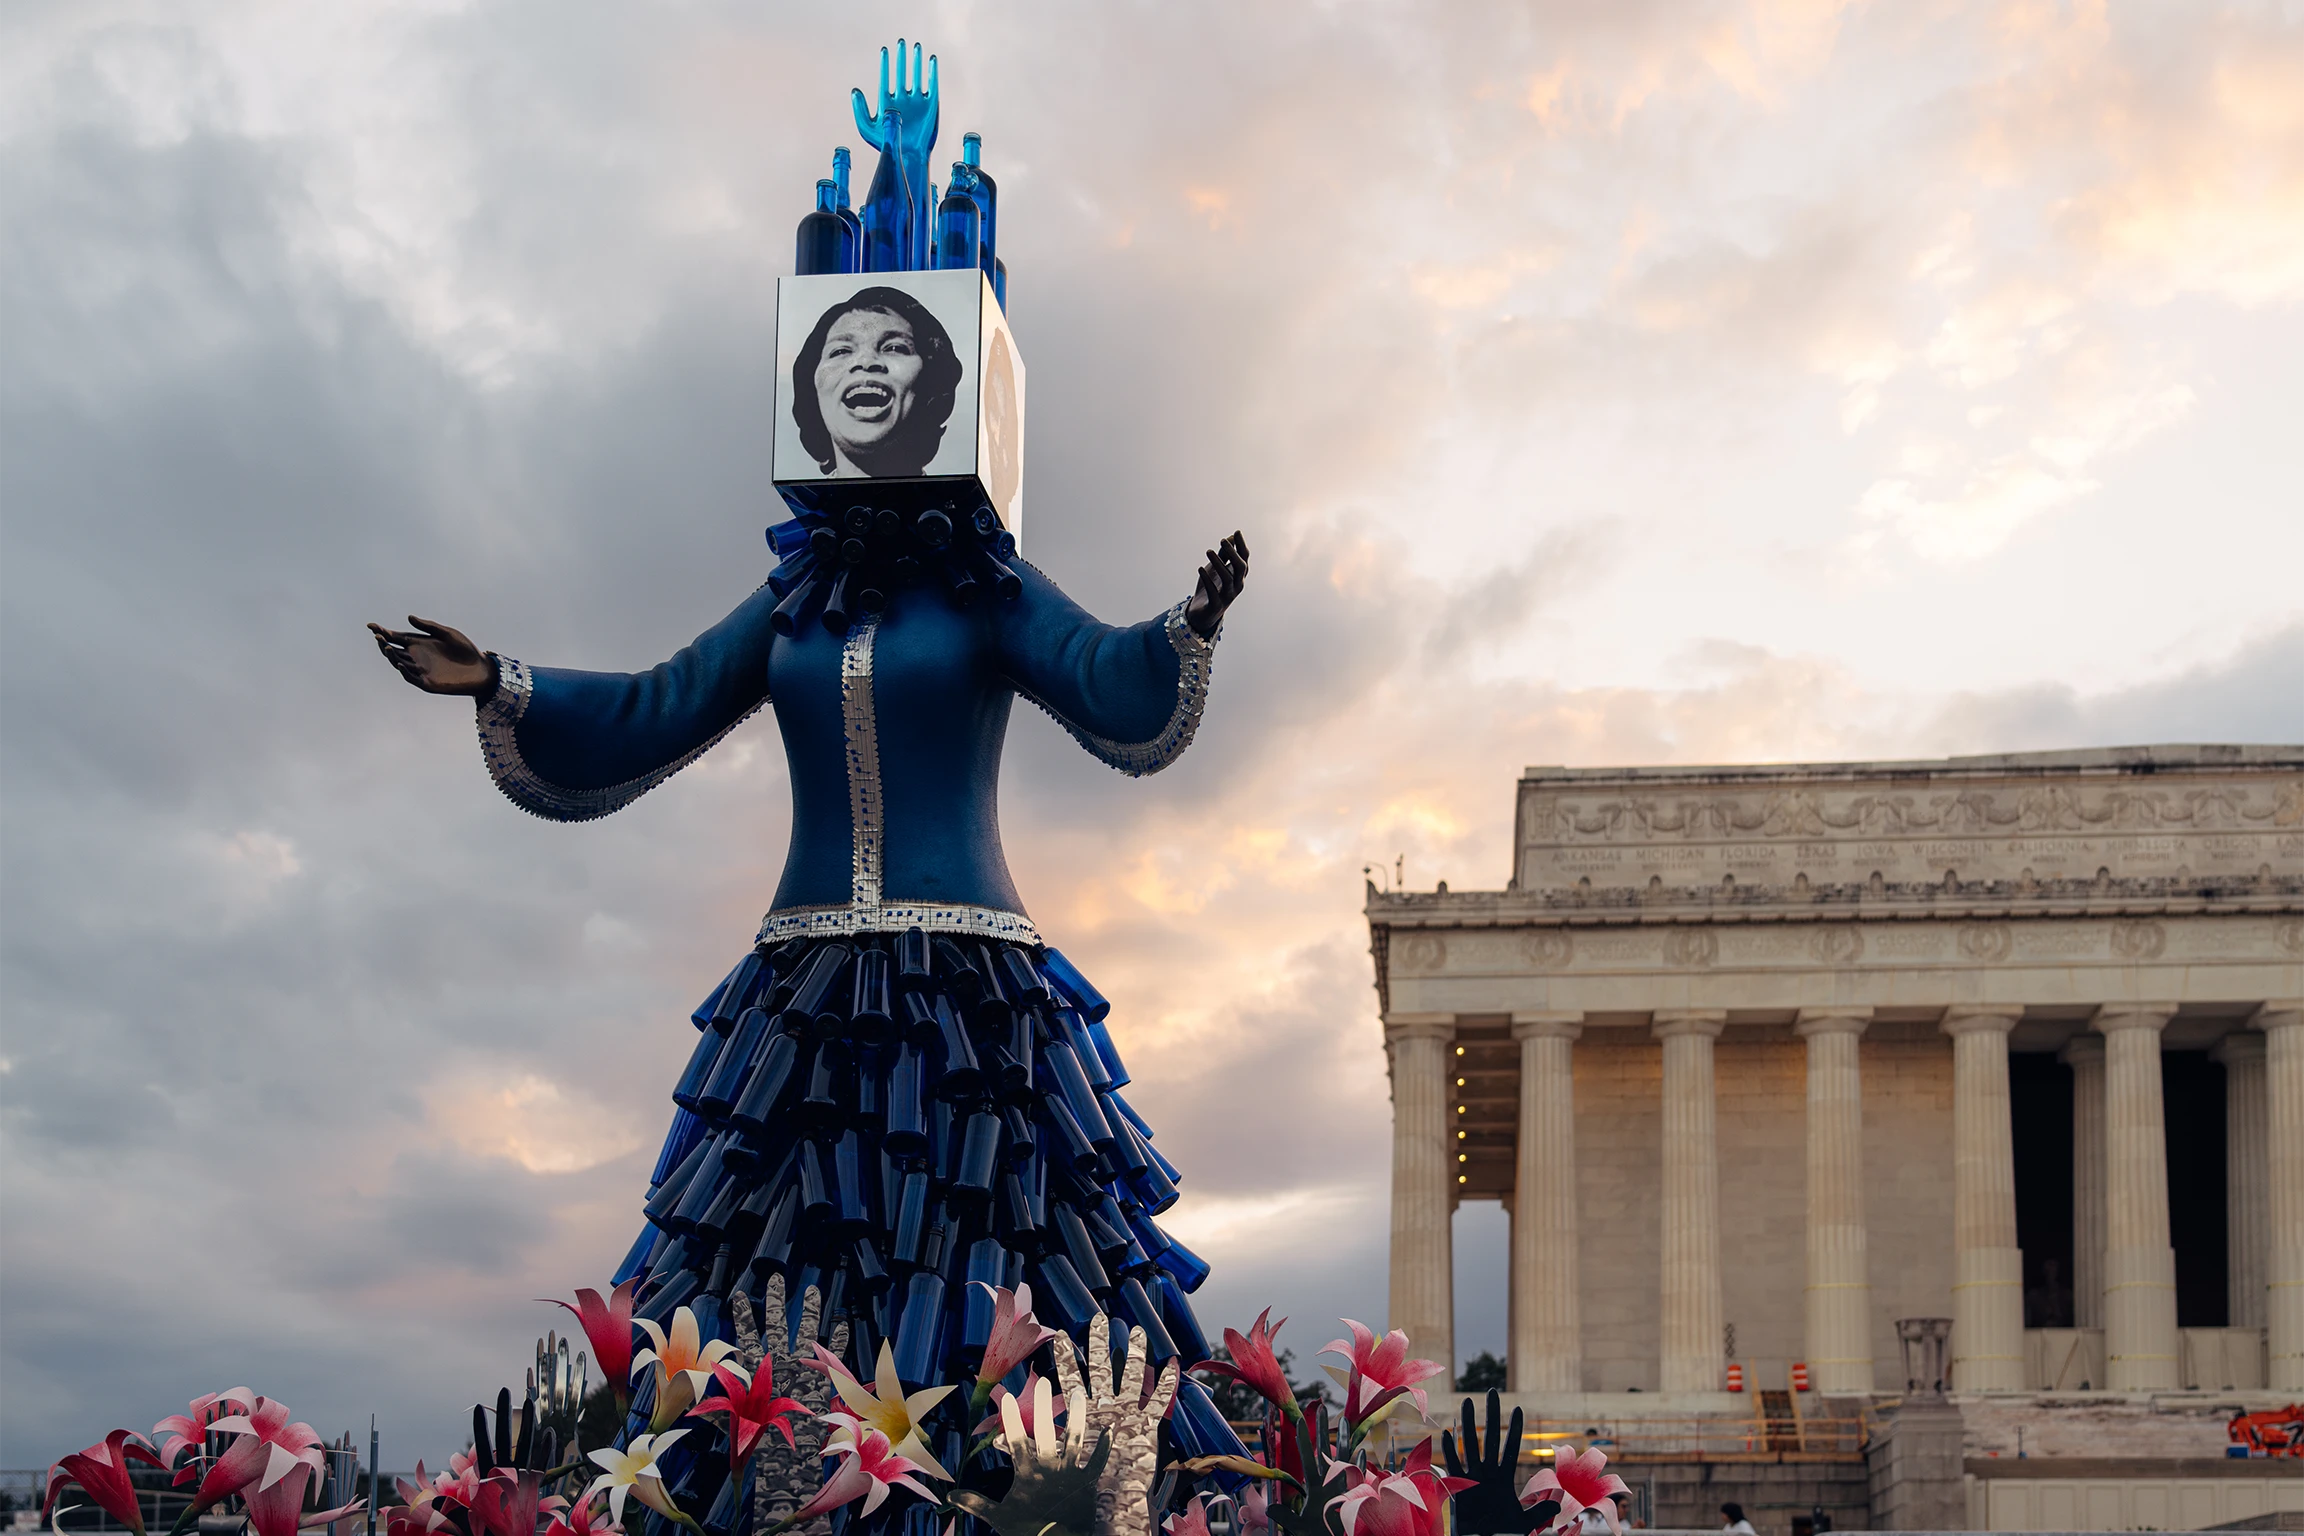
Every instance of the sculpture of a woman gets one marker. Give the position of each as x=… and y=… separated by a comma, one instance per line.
x=900, y=1089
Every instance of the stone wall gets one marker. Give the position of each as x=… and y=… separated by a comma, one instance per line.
x=1907, y=1183
x=1619, y=1168
x=1687, y=1496
x=2095, y=1427
x=1761, y=1090
x=1918, y=1475
x=1762, y=1121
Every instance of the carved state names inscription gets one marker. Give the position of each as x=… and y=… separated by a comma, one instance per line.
x=1772, y=828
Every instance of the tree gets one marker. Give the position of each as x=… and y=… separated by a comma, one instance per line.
x=1482, y=1372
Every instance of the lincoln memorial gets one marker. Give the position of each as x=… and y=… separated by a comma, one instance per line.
x=1763, y=1059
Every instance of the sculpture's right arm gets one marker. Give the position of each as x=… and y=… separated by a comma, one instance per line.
x=572, y=746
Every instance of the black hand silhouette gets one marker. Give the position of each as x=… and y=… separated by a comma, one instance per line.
x=520, y=1442
x=1491, y=1507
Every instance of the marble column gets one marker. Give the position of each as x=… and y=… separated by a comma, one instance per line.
x=1987, y=1266
x=2139, y=1264
x=1547, y=1337
x=2283, y=1026
x=1691, y=1347
x=1839, y=1294
x=2245, y=1152
x=2085, y=1055
x=1421, y=1049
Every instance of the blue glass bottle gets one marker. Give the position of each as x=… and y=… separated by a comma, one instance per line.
x=986, y=192
x=847, y=213
x=823, y=242
x=687, y=1129
x=888, y=219
x=958, y=221
x=1076, y=988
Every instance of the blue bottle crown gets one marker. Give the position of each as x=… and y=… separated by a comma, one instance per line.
x=904, y=225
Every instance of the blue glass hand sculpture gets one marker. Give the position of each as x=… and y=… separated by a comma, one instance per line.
x=897, y=211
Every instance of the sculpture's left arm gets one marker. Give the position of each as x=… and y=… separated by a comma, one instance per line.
x=571, y=746
x=1132, y=696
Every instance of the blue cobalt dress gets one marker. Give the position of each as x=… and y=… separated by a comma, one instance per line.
x=901, y=1088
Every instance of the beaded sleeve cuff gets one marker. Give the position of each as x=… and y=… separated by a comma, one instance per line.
x=499, y=721
x=1195, y=660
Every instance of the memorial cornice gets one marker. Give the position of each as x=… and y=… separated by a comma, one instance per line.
x=1858, y=902
x=2082, y=763
x=2147, y=824
x=2068, y=876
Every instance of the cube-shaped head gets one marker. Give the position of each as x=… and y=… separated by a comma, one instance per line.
x=908, y=380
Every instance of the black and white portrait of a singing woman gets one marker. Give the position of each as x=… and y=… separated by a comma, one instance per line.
x=874, y=385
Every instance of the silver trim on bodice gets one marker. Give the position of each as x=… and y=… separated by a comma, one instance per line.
x=860, y=731
x=867, y=911
x=895, y=917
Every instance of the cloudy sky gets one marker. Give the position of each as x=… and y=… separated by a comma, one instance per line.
x=1597, y=384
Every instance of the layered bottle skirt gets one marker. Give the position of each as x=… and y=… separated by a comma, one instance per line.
x=890, y=1117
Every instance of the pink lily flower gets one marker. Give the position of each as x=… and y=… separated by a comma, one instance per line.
x=416, y=1519
x=1254, y=1366
x=752, y=1408
x=1382, y=1373
x=510, y=1501
x=102, y=1473
x=257, y=1453
x=456, y=1485
x=417, y=1490
x=1410, y=1502
x=582, y=1520
x=460, y=1484
x=1191, y=1520
x=1255, y=1504
x=1579, y=1483
x=608, y=1329
x=1016, y=1333
x=189, y=1430
x=275, y=1461
x=868, y=1468
x=884, y=1408
x=419, y=1512
x=278, y=1510
x=270, y=1447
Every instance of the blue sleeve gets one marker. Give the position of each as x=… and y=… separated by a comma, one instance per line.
x=572, y=746
x=1132, y=696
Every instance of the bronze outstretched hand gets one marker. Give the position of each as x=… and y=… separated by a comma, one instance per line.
x=437, y=659
x=1220, y=582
